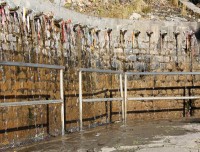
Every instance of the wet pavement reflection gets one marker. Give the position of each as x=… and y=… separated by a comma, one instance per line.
x=113, y=136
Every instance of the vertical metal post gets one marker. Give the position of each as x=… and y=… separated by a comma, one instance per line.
x=125, y=97
x=80, y=101
x=62, y=105
x=121, y=92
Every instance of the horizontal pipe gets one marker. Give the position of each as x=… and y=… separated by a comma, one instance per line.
x=163, y=98
x=23, y=128
x=102, y=99
x=29, y=103
x=162, y=73
x=34, y=65
x=100, y=71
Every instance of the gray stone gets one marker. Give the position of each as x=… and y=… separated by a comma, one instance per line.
x=140, y=67
x=47, y=43
x=135, y=16
x=115, y=64
x=2, y=37
x=136, y=51
x=48, y=34
x=166, y=59
x=132, y=58
x=9, y=37
x=9, y=28
x=5, y=46
x=160, y=58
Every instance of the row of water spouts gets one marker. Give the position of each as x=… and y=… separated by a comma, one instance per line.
x=17, y=110
x=122, y=33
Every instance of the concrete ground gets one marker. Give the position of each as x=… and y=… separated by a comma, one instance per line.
x=155, y=136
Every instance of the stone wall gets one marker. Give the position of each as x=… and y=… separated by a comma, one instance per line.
x=80, y=41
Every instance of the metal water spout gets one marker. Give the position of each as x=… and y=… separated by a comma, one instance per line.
x=176, y=34
x=75, y=26
x=123, y=31
x=97, y=31
x=189, y=48
x=109, y=30
x=137, y=33
x=37, y=14
x=49, y=15
x=149, y=33
x=28, y=11
x=13, y=9
x=163, y=33
x=122, y=34
x=3, y=3
x=57, y=20
x=11, y=5
x=135, y=36
x=82, y=26
x=90, y=28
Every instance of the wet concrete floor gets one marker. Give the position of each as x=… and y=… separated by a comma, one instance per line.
x=135, y=136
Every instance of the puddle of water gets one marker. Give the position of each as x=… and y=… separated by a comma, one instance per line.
x=114, y=137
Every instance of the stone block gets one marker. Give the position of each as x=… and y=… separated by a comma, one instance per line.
x=166, y=59
x=10, y=28
x=5, y=46
x=2, y=36
x=159, y=58
x=136, y=51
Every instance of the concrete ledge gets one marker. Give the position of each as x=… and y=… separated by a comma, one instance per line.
x=191, y=6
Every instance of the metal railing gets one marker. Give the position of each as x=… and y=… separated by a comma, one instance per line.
x=25, y=103
x=81, y=100
x=126, y=98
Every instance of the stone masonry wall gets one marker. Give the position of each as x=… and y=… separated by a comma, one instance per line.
x=78, y=41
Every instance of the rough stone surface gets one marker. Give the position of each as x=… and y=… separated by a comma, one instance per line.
x=47, y=41
x=135, y=16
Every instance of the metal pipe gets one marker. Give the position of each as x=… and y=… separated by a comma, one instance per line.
x=80, y=101
x=102, y=99
x=162, y=73
x=125, y=97
x=62, y=105
x=34, y=65
x=100, y=71
x=163, y=98
x=121, y=91
x=29, y=103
